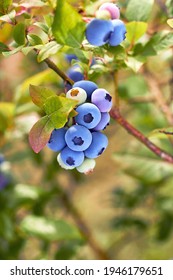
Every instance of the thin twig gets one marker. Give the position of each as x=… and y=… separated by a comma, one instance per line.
x=60, y=73
x=83, y=228
x=116, y=115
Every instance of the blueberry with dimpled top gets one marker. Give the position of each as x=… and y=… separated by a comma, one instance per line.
x=78, y=138
x=102, y=99
x=71, y=158
x=98, y=145
x=88, y=115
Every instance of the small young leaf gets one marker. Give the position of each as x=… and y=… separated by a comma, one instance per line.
x=49, y=229
x=40, y=133
x=135, y=30
x=40, y=94
x=14, y=51
x=68, y=26
x=34, y=40
x=58, y=109
x=48, y=50
x=139, y=10
x=19, y=34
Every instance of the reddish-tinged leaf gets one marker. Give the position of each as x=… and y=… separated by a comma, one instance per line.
x=40, y=94
x=40, y=134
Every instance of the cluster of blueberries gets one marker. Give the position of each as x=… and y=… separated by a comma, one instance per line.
x=4, y=180
x=106, y=28
x=83, y=141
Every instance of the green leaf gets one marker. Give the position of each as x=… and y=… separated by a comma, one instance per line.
x=68, y=26
x=48, y=50
x=4, y=5
x=158, y=42
x=7, y=112
x=139, y=10
x=135, y=30
x=3, y=47
x=145, y=169
x=58, y=109
x=27, y=192
x=40, y=134
x=42, y=26
x=170, y=22
x=40, y=94
x=34, y=39
x=134, y=63
x=49, y=229
x=9, y=17
x=19, y=33
x=14, y=51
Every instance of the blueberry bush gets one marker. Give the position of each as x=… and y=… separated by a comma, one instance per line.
x=86, y=125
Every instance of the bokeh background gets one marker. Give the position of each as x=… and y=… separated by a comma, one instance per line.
x=124, y=209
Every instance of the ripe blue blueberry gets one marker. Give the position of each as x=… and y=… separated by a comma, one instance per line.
x=118, y=35
x=98, y=145
x=57, y=140
x=105, y=119
x=112, y=9
x=62, y=164
x=78, y=138
x=98, y=31
x=71, y=158
x=78, y=94
x=102, y=99
x=87, y=166
x=75, y=73
x=88, y=86
x=70, y=57
x=88, y=115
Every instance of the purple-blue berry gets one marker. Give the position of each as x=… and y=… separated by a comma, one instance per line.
x=104, y=122
x=102, y=99
x=119, y=33
x=75, y=73
x=88, y=115
x=88, y=86
x=71, y=158
x=78, y=138
x=98, y=32
x=57, y=140
x=98, y=145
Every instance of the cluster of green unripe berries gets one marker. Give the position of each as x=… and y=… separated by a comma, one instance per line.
x=82, y=142
x=106, y=28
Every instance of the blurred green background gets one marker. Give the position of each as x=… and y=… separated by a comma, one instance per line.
x=124, y=209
